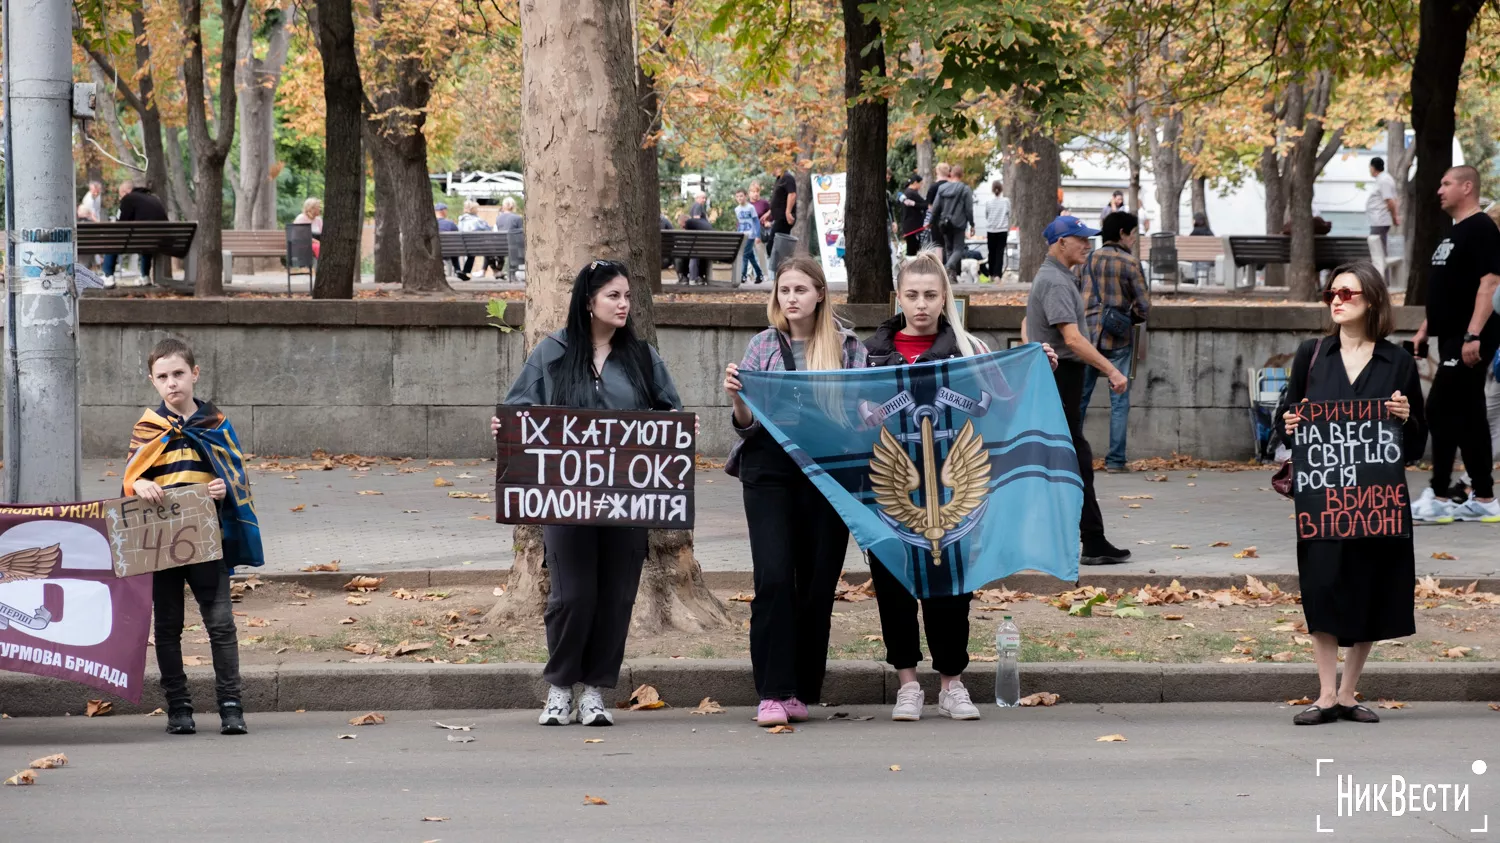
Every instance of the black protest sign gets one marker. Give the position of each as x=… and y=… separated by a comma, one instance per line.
x=1349, y=471
x=608, y=468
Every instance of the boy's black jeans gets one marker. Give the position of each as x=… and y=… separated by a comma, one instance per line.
x=210, y=584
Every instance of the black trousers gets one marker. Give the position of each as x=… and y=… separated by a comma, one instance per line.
x=946, y=620
x=1069, y=376
x=995, y=265
x=953, y=247
x=797, y=544
x=913, y=244
x=1458, y=418
x=595, y=573
x=210, y=584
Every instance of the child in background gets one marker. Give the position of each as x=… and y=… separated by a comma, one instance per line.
x=182, y=442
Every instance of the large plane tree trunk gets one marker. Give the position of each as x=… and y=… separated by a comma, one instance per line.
x=581, y=130
x=867, y=252
x=1037, y=175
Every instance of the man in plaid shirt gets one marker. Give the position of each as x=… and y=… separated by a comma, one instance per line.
x=1112, y=278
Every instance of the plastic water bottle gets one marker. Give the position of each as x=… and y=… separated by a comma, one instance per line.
x=1008, y=666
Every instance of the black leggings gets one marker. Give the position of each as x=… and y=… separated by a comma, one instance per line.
x=995, y=265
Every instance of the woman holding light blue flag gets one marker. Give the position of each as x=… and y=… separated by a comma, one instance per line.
x=928, y=328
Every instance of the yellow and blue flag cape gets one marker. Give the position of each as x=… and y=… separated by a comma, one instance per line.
x=953, y=473
x=213, y=437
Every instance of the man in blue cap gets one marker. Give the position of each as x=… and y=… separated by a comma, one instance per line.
x=1054, y=314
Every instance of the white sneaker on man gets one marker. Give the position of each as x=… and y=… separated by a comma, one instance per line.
x=1431, y=509
x=1475, y=509
x=909, y=702
x=591, y=710
x=559, y=708
x=955, y=703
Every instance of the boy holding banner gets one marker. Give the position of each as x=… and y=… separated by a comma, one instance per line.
x=182, y=442
x=1355, y=591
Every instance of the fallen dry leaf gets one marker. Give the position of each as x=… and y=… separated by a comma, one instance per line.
x=49, y=761
x=101, y=708
x=1391, y=704
x=742, y=597
x=440, y=462
x=1248, y=553
x=593, y=800
x=1041, y=698
x=363, y=583
x=1110, y=739
x=403, y=594
x=593, y=740
x=302, y=593
x=257, y=622
x=644, y=698
x=370, y=492
x=1236, y=660
x=1456, y=652
x=299, y=507
x=1494, y=706
x=407, y=647
x=1136, y=498
x=1182, y=547
x=854, y=593
x=708, y=706
x=780, y=730
x=461, y=739
x=1283, y=656
x=1444, y=555
x=369, y=660
x=468, y=728
x=434, y=819
x=439, y=482
x=348, y=737
x=356, y=601
x=348, y=621
x=469, y=496
x=1134, y=505
x=1219, y=544
x=157, y=713
x=895, y=768
x=24, y=777
x=362, y=648
x=374, y=718
x=326, y=566
x=1172, y=617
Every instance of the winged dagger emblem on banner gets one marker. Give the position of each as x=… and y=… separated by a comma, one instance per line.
x=29, y=564
x=894, y=476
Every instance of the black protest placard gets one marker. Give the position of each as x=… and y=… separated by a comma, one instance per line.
x=1349, y=471
x=608, y=468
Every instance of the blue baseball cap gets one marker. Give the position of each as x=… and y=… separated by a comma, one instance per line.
x=1067, y=226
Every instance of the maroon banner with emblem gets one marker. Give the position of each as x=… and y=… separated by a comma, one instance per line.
x=63, y=613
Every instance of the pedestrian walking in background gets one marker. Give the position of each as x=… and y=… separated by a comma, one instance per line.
x=1460, y=315
x=953, y=218
x=595, y=362
x=797, y=539
x=913, y=214
x=996, y=229
x=783, y=212
x=1355, y=591
x=1116, y=205
x=1380, y=203
x=748, y=223
x=1117, y=297
x=762, y=213
x=1055, y=316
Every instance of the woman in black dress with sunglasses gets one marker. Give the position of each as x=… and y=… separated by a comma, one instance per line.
x=1355, y=591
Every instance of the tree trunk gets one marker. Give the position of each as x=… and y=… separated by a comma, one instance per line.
x=387, y=225
x=803, y=228
x=258, y=78
x=1165, y=137
x=343, y=178
x=421, y=253
x=1200, y=197
x=1037, y=176
x=926, y=160
x=1309, y=154
x=867, y=242
x=1275, y=185
x=110, y=117
x=1441, y=44
x=180, y=195
x=645, y=260
x=581, y=130
x=1133, y=143
x=210, y=151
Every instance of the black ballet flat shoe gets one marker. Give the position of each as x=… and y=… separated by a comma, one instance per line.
x=1316, y=716
x=1358, y=713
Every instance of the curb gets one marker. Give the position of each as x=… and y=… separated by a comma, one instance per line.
x=742, y=580
x=684, y=682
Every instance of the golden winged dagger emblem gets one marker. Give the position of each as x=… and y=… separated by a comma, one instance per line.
x=29, y=564
x=894, y=476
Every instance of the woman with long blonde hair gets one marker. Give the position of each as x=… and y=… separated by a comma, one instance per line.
x=797, y=540
x=928, y=328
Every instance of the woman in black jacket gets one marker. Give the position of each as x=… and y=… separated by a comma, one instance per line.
x=927, y=329
x=1355, y=591
x=913, y=215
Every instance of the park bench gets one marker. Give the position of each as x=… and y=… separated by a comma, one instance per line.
x=725, y=246
x=1246, y=253
x=486, y=244
x=163, y=240
x=1166, y=261
x=292, y=246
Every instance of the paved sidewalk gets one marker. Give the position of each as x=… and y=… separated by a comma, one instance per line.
x=413, y=524
x=1217, y=772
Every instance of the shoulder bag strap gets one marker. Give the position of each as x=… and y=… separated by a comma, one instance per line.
x=788, y=362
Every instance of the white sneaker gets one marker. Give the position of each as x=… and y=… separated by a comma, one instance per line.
x=109, y=281
x=1475, y=509
x=591, y=710
x=955, y=703
x=1431, y=509
x=559, y=708
x=909, y=702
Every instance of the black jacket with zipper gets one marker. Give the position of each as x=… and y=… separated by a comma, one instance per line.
x=882, y=344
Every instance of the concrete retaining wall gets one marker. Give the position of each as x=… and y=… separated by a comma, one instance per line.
x=421, y=378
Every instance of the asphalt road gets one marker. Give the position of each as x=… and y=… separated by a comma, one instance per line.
x=1196, y=772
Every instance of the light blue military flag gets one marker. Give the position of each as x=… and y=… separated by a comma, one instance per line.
x=953, y=473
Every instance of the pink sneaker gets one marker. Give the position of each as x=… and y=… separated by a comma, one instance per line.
x=771, y=713
x=796, y=710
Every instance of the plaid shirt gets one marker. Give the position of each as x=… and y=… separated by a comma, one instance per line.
x=763, y=354
x=1122, y=286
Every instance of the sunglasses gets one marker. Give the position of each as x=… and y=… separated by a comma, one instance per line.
x=1343, y=294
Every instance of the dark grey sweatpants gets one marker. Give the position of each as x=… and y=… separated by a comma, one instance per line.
x=595, y=572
